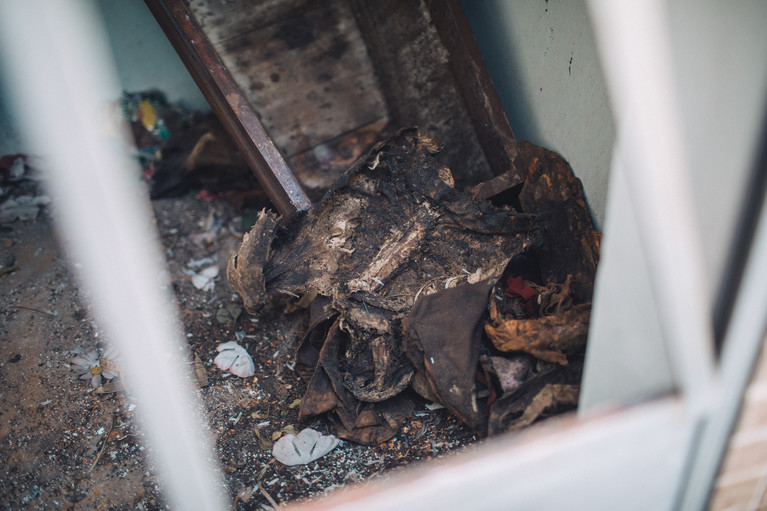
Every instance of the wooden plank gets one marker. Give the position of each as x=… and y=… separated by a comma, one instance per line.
x=735, y=496
x=319, y=167
x=230, y=105
x=476, y=87
x=308, y=76
x=412, y=66
x=226, y=19
x=748, y=457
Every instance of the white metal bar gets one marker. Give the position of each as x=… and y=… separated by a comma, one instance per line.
x=617, y=461
x=740, y=351
x=55, y=59
x=633, y=41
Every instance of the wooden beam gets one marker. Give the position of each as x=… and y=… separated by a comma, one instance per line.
x=476, y=87
x=230, y=105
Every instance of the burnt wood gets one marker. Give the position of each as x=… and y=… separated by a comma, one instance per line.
x=433, y=76
x=473, y=81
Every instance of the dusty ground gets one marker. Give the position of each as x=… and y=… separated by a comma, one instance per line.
x=66, y=445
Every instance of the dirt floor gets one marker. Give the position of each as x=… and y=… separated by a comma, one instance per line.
x=66, y=445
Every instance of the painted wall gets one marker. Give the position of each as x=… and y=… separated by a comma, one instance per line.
x=144, y=59
x=722, y=72
x=543, y=61
x=10, y=140
x=144, y=56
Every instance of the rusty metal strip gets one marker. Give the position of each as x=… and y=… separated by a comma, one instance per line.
x=230, y=105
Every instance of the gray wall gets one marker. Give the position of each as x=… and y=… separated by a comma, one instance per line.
x=10, y=141
x=718, y=50
x=721, y=63
x=721, y=77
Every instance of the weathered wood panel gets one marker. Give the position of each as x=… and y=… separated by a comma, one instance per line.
x=476, y=87
x=229, y=104
x=317, y=168
x=304, y=68
x=413, y=68
x=225, y=19
x=742, y=481
x=326, y=78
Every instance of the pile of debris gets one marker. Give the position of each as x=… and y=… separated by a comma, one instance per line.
x=182, y=150
x=409, y=283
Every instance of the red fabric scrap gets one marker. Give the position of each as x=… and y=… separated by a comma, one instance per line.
x=484, y=380
x=209, y=197
x=517, y=289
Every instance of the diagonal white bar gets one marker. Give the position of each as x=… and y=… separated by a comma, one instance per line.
x=56, y=62
x=633, y=41
x=743, y=341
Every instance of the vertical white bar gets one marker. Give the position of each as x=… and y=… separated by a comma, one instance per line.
x=633, y=41
x=56, y=61
x=740, y=351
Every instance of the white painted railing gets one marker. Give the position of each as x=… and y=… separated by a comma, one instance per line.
x=649, y=457
x=56, y=59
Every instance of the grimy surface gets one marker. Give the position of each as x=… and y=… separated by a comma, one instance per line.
x=65, y=445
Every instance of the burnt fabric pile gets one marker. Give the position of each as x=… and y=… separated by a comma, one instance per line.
x=405, y=281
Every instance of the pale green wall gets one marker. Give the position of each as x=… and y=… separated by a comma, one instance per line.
x=718, y=53
x=721, y=73
x=144, y=57
x=543, y=61
x=10, y=141
x=721, y=65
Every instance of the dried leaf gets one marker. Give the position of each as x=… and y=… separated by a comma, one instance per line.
x=263, y=442
x=109, y=365
x=295, y=404
x=304, y=448
x=109, y=387
x=233, y=358
x=549, y=338
x=260, y=415
x=200, y=372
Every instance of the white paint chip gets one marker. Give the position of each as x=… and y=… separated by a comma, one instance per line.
x=233, y=358
x=308, y=446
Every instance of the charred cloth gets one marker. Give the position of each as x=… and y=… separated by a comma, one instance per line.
x=405, y=281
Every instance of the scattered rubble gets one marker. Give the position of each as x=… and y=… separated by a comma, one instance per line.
x=371, y=307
